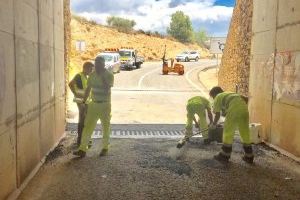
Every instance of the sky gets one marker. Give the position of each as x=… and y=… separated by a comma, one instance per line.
x=155, y=15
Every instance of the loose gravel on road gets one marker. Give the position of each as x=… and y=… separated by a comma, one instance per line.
x=155, y=169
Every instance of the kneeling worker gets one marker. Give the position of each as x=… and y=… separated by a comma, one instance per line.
x=197, y=106
x=99, y=84
x=237, y=116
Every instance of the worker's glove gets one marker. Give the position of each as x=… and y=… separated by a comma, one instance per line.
x=212, y=126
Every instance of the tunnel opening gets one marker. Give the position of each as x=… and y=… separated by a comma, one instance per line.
x=140, y=96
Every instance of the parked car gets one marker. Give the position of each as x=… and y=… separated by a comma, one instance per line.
x=112, y=61
x=187, y=56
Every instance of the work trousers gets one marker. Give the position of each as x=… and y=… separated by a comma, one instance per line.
x=193, y=110
x=82, y=109
x=237, y=117
x=95, y=112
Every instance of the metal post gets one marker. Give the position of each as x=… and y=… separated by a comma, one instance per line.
x=217, y=63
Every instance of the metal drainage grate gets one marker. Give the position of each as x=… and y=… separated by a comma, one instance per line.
x=137, y=131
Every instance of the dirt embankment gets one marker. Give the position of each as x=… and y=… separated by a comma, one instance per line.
x=98, y=37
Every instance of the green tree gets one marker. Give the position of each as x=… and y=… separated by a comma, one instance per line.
x=121, y=24
x=181, y=27
x=201, y=37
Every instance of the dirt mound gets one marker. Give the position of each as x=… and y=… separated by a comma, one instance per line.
x=98, y=37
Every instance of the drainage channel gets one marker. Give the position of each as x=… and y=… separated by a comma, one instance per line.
x=136, y=130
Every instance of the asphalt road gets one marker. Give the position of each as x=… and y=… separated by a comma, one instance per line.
x=145, y=96
x=150, y=77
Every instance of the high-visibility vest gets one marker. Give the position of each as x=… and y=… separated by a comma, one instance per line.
x=97, y=83
x=83, y=79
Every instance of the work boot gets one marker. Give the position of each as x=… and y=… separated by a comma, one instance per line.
x=248, y=157
x=79, y=153
x=103, y=152
x=221, y=158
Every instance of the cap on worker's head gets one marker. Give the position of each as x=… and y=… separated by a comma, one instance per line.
x=215, y=91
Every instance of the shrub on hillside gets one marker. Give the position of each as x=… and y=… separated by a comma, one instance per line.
x=83, y=20
x=141, y=31
x=201, y=37
x=121, y=24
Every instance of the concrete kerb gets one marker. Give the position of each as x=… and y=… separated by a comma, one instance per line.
x=204, y=70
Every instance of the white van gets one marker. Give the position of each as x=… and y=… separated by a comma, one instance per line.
x=112, y=61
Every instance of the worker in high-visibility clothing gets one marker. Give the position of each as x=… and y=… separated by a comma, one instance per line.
x=78, y=85
x=197, y=105
x=99, y=84
x=236, y=117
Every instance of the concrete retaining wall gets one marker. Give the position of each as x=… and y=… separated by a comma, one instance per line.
x=32, y=86
x=275, y=72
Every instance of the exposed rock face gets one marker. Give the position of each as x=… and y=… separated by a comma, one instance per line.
x=67, y=27
x=235, y=65
x=67, y=23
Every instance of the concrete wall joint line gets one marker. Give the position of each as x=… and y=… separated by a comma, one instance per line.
x=288, y=25
x=54, y=57
x=273, y=71
x=16, y=96
x=39, y=64
x=28, y=4
x=264, y=31
x=6, y=32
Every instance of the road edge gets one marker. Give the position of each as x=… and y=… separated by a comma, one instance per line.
x=204, y=70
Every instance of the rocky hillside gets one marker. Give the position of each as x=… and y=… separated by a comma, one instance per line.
x=235, y=65
x=99, y=37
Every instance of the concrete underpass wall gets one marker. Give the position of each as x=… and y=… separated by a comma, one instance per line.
x=275, y=72
x=32, y=86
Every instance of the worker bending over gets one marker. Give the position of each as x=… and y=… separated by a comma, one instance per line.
x=197, y=105
x=99, y=84
x=237, y=116
x=78, y=86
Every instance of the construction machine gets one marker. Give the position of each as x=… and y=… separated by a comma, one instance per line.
x=176, y=68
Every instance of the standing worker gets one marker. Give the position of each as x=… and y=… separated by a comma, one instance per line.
x=78, y=86
x=99, y=84
x=237, y=116
x=197, y=105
